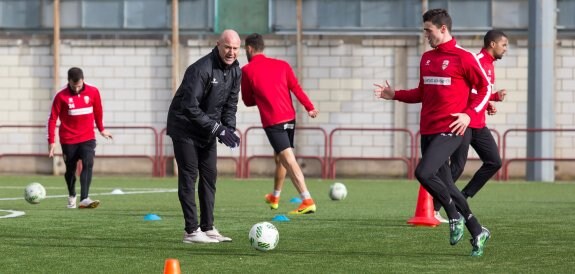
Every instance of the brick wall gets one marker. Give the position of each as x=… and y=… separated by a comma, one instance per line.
x=134, y=77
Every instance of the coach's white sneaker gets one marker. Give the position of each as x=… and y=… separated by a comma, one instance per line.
x=440, y=218
x=89, y=203
x=198, y=236
x=215, y=234
x=71, y=202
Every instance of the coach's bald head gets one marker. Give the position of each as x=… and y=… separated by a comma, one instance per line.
x=229, y=46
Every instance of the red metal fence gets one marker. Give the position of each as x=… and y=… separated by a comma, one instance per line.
x=152, y=158
x=408, y=160
x=327, y=161
x=507, y=161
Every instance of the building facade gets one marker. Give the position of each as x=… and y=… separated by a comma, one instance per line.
x=345, y=50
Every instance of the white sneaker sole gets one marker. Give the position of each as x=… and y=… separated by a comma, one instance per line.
x=221, y=239
x=200, y=242
x=94, y=204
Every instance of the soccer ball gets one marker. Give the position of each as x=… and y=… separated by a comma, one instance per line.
x=337, y=191
x=264, y=236
x=34, y=193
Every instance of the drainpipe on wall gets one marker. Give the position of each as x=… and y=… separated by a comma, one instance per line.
x=56, y=70
x=175, y=59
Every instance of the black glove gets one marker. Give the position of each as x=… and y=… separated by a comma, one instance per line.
x=228, y=137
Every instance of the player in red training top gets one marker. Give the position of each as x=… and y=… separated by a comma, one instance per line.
x=494, y=47
x=447, y=74
x=266, y=83
x=77, y=106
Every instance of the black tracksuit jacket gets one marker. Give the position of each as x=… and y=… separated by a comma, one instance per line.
x=207, y=96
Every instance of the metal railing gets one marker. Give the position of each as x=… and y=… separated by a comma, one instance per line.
x=328, y=162
x=506, y=161
x=408, y=160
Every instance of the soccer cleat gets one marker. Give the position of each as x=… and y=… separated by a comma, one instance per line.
x=89, y=203
x=273, y=201
x=215, y=234
x=479, y=241
x=456, y=228
x=71, y=202
x=198, y=237
x=440, y=218
x=306, y=207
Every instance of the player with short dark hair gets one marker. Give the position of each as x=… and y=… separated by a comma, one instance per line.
x=268, y=83
x=481, y=139
x=78, y=106
x=447, y=74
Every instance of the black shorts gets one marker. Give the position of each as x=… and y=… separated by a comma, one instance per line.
x=281, y=135
x=84, y=151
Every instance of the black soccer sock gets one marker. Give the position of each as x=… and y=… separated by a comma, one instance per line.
x=451, y=211
x=473, y=225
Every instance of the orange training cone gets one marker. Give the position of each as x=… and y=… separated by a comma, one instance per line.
x=172, y=266
x=424, y=210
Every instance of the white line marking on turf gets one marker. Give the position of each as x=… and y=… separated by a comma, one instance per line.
x=147, y=191
x=91, y=188
x=13, y=213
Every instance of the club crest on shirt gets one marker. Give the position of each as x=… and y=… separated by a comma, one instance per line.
x=427, y=62
x=445, y=64
x=86, y=99
x=214, y=81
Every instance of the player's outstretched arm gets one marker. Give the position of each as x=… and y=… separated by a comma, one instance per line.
x=51, y=148
x=313, y=113
x=385, y=92
x=106, y=134
x=502, y=93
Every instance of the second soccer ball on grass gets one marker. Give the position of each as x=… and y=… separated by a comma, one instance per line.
x=337, y=191
x=34, y=193
x=264, y=236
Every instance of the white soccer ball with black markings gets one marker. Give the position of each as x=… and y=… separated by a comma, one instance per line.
x=264, y=236
x=337, y=191
x=34, y=193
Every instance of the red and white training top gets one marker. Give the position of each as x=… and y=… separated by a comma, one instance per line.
x=77, y=114
x=486, y=61
x=447, y=74
x=267, y=82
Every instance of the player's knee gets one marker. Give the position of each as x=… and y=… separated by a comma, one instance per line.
x=277, y=159
x=498, y=163
x=422, y=174
x=495, y=163
x=88, y=163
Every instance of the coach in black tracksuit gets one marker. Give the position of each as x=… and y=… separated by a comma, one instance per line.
x=203, y=108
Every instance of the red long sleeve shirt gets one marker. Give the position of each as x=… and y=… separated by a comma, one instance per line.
x=266, y=83
x=77, y=114
x=486, y=61
x=447, y=74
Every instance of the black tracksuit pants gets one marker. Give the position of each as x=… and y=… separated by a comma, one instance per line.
x=85, y=152
x=484, y=144
x=192, y=161
x=434, y=174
